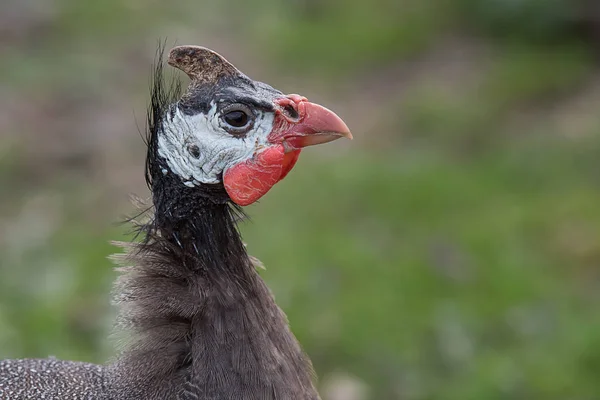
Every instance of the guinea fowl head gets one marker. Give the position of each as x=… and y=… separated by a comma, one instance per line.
x=228, y=138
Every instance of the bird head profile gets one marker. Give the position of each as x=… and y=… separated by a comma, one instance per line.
x=228, y=137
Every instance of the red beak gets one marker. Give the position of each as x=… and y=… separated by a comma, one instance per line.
x=300, y=123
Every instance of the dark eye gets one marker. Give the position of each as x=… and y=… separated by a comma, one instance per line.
x=237, y=118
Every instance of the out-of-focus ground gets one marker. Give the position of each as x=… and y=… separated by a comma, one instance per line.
x=451, y=251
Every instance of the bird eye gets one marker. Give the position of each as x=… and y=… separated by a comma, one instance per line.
x=238, y=119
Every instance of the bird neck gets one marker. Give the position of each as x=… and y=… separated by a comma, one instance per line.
x=203, y=320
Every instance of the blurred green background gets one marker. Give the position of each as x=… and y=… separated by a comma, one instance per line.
x=451, y=251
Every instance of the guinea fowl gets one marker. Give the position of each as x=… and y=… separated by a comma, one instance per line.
x=200, y=322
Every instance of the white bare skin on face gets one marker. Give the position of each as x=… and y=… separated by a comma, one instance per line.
x=199, y=149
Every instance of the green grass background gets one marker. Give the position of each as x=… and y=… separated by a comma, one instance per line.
x=452, y=251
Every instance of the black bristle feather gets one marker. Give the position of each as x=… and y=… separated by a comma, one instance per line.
x=162, y=97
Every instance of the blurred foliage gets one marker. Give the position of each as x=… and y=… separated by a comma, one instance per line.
x=517, y=77
x=451, y=253
x=340, y=36
x=524, y=20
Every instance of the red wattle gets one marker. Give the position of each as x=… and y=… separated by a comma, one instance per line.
x=248, y=181
x=289, y=160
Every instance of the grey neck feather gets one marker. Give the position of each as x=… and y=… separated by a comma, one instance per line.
x=205, y=325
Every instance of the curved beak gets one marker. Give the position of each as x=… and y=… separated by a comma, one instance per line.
x=300, y=123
